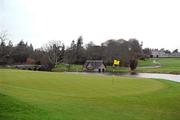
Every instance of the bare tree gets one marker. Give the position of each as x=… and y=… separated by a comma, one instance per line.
x=175, y=51
x=54, y=51
x=3, y=37
x=3, y=50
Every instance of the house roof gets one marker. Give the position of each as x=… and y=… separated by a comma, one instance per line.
x=94, y=64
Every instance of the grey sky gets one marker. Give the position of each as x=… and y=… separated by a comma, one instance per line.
x=155, y=22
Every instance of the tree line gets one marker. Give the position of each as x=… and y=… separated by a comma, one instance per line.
x=54, y=52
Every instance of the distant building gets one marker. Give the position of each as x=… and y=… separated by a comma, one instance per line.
x=94, y=66
x=158, y=53
x=175, y=54
x=161, y=53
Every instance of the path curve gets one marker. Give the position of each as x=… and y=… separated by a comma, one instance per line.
x=158, y=66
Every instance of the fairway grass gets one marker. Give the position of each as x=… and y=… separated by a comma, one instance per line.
x=168, y=65
x=28, y=95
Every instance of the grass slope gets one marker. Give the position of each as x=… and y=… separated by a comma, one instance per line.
x=168, y=65
x=28, y=95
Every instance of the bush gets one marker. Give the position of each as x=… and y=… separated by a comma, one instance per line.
x=30, y=61
x=133, y=64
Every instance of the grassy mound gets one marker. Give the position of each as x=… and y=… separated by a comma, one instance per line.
x=64, y=96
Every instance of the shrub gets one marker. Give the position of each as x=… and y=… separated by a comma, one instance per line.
x=30, y=61
x=133, y=64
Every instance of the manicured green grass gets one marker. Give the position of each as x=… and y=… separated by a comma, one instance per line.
x=28, y=95
x=141, y=63
x=69, y=68
x=116, y=69
x=168, y=65
x=147, y=62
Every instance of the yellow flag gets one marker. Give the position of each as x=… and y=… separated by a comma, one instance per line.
x=116, y=62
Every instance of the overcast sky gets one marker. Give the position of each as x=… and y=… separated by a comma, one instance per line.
x=155, y=22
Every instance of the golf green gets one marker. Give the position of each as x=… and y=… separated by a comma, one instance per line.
x=30, y=95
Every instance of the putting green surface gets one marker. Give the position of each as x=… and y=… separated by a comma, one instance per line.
x=28, y=95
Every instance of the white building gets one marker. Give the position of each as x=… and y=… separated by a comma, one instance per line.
x=161, y=53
